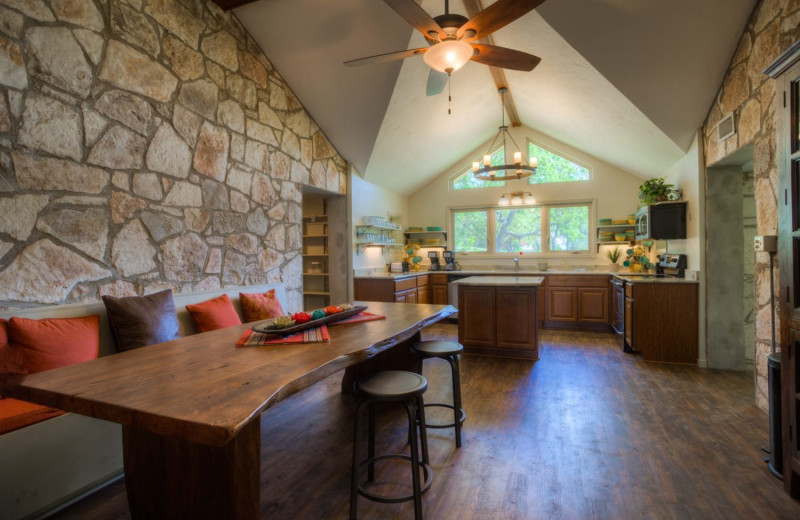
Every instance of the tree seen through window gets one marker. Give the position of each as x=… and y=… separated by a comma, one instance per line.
x=467, y=179
x=554, y=168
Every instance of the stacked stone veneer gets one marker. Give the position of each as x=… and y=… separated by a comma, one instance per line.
x=147, y=144
x=749, y=94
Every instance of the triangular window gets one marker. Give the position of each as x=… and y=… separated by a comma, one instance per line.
x=555, y=168
x=467, y=180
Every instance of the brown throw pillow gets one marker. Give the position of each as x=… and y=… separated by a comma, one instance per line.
x=139, y=321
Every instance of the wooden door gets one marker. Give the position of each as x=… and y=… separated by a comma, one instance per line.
x=477, y=302
x=562, y=304
x=422, y=294
x=593, y=305
x=439, y=293
x=786, y=71
x=516, y=318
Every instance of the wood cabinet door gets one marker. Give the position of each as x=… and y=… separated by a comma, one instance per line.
x=439, y=294
x=516, y=318
x=411, y=296
x=629, y=323
x=422, y=294
x=593, y=305
x=561, y=304
x=790, y=370
x=479, y=304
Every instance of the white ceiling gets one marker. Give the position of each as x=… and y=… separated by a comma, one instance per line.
x=628, y=81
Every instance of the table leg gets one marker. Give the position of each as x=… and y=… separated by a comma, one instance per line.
x=168, y=477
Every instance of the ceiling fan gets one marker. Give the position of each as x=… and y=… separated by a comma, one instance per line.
x=451, y=39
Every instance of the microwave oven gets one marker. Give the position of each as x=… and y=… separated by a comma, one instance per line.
x=663, y=221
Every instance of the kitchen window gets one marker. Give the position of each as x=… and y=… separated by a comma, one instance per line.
x=554, y=167
x=543, y=229
x=467, y=180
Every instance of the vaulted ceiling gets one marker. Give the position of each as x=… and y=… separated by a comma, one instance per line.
x=628, y=81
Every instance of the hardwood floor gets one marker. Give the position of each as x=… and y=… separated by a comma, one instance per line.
x=586, y=432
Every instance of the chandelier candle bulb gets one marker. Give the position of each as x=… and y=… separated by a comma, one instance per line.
x=534, y=162
x=487, y=160
x=475, y=166
x=518, y=158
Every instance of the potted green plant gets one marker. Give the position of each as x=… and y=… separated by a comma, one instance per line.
x=614, y=255
x=654, y=190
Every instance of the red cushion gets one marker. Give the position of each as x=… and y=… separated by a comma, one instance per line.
x=55, y=342
x=213, y=314
x=16, y=414
x=11, y=361
x=260, y=306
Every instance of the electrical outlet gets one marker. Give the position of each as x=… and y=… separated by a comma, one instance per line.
x=765, y=243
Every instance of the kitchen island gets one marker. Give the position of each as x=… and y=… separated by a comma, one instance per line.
x=497, y=315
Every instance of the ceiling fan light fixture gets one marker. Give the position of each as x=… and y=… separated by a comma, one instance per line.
x=448, y=56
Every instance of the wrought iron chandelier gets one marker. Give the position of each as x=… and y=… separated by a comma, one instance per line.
x=503, y=172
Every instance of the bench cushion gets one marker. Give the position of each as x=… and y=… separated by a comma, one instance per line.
x=54, y=342
x=213, y=314
x=260, y=306
x=139, y=321
x=16, y=414
x=11, y=361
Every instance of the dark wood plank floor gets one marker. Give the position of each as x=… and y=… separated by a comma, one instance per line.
x=586, y=432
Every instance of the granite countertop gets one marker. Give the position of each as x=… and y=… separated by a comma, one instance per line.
x=494, y=281
x=649, y=278
x=522, y=272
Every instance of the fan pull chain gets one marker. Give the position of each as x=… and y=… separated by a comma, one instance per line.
x=449, y=97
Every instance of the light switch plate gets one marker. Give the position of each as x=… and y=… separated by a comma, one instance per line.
x=765, y=243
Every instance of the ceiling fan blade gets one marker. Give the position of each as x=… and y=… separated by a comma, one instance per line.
x=436, y=82
x=416, y=16
x=389, y=56
x=497, y=15
x=504, y=58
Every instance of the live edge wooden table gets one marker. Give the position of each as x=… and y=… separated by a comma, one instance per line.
x=190, y=408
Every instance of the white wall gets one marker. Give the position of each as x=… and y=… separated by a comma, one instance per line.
x=368, y=199
x=689, y=174
x=615, y=190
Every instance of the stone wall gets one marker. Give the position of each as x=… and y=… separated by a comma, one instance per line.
x=147, y=144
x=748, y=93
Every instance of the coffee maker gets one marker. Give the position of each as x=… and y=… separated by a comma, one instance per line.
x=450, y=263
x=434, y=257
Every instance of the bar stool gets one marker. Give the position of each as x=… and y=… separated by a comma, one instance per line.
x=392, y=386
x=451, y=352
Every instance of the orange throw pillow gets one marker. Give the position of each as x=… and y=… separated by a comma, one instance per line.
x=55, y=342
x=258, y=306
x=213, y=314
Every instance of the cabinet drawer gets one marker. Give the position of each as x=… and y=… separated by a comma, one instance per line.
x=438, y=279
x=577, y=281
x=422, y=281
x=404, y=285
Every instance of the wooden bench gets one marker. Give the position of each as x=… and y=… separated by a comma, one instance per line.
x=60, y=458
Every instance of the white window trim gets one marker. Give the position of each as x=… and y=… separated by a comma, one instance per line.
x=566, y=156
x=590, y=253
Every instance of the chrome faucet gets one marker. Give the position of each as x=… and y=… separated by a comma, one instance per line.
x=516, y=264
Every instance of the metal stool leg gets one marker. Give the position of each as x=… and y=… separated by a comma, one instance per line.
x=412, y=426
x=456, y=373
x=371, y=446
x=423, y=430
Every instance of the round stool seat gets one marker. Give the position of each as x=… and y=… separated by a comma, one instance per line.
x=437, y=348
x=392, y=385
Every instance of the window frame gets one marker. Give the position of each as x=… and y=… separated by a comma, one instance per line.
x=468, y=169
x=545, y=238
x=552, y=150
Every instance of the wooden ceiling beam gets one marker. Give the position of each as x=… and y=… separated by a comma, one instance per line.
x=474, y=7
